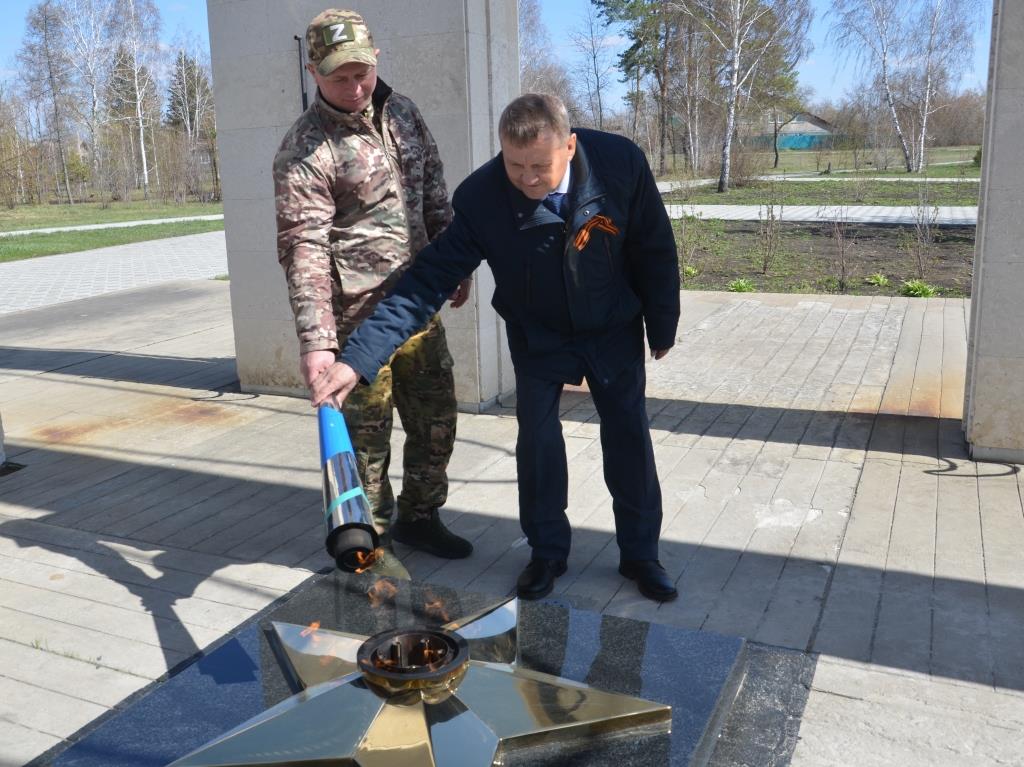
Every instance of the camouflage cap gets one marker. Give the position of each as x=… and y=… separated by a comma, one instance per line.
x=336, y=37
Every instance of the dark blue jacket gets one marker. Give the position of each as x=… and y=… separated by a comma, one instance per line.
x=562, y=306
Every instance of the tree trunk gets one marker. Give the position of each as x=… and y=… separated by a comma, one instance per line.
x=142, y=136
x=663, y=96
x=730, y=119
x=891, y=102
x=56, y=112
x=775, y=138
x=637, y=95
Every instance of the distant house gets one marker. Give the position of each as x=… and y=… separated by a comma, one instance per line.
x=805, y=131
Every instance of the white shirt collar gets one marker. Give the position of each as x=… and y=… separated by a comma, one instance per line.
x=563, y=187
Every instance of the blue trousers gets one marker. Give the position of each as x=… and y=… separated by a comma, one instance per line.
x=629, y=469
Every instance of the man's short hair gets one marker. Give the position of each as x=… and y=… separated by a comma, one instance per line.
x=529, y=115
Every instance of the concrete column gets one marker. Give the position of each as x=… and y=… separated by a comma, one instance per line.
x=457, y=59
x=994, y=399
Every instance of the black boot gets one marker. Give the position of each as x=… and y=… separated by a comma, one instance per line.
x=430, y=535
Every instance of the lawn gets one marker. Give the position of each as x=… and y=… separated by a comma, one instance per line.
x=808, y=161
x=828, y=192
x=814, y=258
x=18, y=247
x=812, y=161
x=44, y=216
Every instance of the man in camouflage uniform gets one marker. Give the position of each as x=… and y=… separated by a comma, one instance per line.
x=359, y=191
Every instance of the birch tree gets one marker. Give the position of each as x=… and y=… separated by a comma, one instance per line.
x=539, y=70
x=941, y=45
x=872, y=33
x=190, y=114
x=138, y=27
x=44, y=63
x=596, y=68
x=86, y=27
x=745, y=30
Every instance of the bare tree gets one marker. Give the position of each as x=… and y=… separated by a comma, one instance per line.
x=913, y=48
x=596, y=68
x=86, y=26
x=190, y=117
x=138, y=26
x=871, y=32
x=941, y=46
x=539, y=70
x=44, y=63
x=693, y=79
x=12, y=175
x=745, y=30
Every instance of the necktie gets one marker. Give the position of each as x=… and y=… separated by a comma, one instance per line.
x=555, y=202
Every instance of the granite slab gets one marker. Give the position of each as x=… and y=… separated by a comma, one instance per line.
x=697, y=673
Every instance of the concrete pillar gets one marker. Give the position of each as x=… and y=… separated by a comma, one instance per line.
x=994, y=394
x=457, y=59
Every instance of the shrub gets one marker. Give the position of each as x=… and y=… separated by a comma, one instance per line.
x=877, y=279
x=977, y=158
x=690, y=271
x=918, y=289
x=741, y=285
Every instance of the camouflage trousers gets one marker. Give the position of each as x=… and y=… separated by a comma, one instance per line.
x=418, y=383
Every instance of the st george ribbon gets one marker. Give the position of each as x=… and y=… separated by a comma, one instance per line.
x=452, y=696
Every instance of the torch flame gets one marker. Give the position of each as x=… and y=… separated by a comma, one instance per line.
x=366, y=561
x=434, y=606
x=382, y=591
x=310, y=631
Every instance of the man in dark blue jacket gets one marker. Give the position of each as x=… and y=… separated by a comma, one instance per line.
x=584, y=260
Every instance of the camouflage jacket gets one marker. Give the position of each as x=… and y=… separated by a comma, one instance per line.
x=354, y=206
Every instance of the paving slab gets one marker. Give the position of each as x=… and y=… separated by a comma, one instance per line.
x=818, y=499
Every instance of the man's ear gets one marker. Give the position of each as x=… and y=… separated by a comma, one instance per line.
x=571, y=146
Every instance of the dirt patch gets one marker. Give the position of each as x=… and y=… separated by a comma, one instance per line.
x=808, y=257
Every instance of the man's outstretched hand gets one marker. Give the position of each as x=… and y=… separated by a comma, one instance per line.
x=333, y=385
x=461, y=294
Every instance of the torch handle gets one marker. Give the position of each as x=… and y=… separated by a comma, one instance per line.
x=334, y=436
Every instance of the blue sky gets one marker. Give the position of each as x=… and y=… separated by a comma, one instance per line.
x=828, y=76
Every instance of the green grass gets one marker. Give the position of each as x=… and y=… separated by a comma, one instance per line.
x=24, y=246
x=741, y=285
x=806, y=161
x=43, y=216
x=918, y=289
x=962, y=170
x=833, y=193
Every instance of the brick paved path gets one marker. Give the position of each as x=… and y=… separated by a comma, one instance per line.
x=36, y=282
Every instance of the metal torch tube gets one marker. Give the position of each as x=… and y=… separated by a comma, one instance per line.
x=347, y=518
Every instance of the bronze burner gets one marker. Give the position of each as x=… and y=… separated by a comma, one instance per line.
x=429, y=660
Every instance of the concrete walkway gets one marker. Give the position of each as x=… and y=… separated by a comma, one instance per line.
x=111, y=225
x=817, y=497
x=37, y=282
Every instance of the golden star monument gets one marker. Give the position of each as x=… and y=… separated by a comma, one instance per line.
x=440, y=697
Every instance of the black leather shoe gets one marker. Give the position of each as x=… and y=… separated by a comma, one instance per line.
x=538, y=578
x=651, y=579
x=430, y=535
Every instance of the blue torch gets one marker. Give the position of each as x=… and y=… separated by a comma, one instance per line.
x=351, y=536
